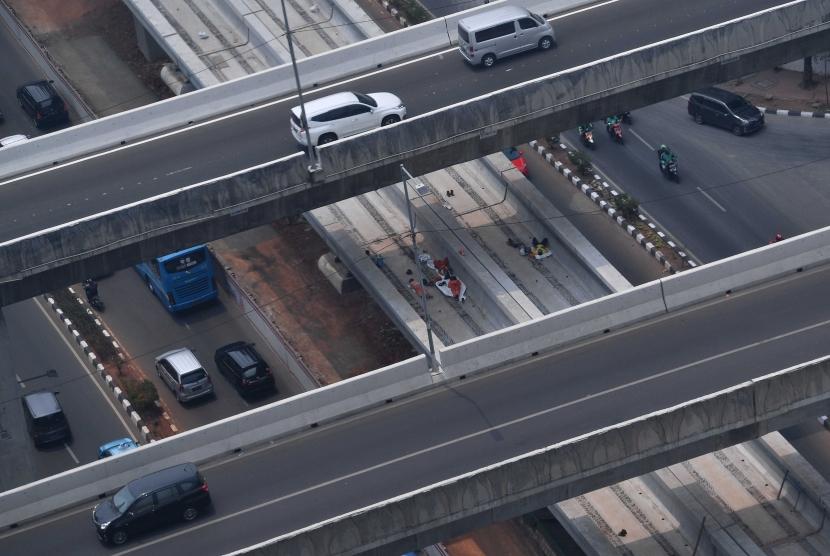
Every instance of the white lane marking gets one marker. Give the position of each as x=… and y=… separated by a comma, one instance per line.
x=267, y=105
x=83, y=364
x=591, y=7
x=717, y=204
x=179, y=171
x=71, y=453
x=643, y=141
x=481, y=432
x=20, y=382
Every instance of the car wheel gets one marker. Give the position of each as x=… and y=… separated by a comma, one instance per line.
x=737, y=130
x=545, y=43
x=327, y=138
x=190, y=513
x=118, y=537
x=388, y=120
x=699, y=119
x=488, y=60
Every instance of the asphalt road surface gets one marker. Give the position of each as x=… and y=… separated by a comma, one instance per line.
x=146, y=329
x=42, y=200
x=36, y=345
x=734, y=193
x=451, y=430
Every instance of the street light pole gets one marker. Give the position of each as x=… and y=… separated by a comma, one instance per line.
x=313, y=158
x=404, y=175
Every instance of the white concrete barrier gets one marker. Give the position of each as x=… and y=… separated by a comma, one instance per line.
x=574, y=323
x=198, y=106
x=745, y=270
x=220, y=438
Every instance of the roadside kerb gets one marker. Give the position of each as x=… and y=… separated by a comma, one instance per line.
x=550, y=217
x=743, y=271
x=92, y=361
x=566, y=469
x=611, y=211
x=225, y=98
x=221, y=438
x=796, y=113
x=526, y=340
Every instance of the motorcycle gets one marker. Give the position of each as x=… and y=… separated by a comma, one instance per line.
x=615, y=131
x=587, y=137
x=669, y=168
x=92, y=297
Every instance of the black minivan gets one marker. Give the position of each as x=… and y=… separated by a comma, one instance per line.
x=178, y=493
x=721, y=108
x=45, y=418
x=43, y=104
x=245, y=369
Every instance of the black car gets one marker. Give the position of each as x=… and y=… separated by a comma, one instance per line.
x=43, y=104
x=177, y=493
x=244, y=368
x=721, y=108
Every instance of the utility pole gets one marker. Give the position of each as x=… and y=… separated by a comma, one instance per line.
x=405, y=175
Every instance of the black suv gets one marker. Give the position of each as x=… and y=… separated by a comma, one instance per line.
x=43, y=104
x=160, y=498
x=244, y=368
x=721, y=108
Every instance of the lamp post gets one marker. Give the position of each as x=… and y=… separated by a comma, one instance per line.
x=404, y=175
x=313, y=158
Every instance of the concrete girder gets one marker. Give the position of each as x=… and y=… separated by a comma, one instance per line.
x=426, y=143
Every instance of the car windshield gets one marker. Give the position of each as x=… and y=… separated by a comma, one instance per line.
x=194, y=376
x=366, y=99
x=122, y=499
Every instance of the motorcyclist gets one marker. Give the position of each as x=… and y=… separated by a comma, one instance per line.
x=90, y=288
x=612, y=121
x=666, y=156
x=585, y=128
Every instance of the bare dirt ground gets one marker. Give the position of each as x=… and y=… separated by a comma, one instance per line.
x=508, y=538
x=339, y=336
x=52, y=22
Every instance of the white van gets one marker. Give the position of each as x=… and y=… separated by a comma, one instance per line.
x=485, y=37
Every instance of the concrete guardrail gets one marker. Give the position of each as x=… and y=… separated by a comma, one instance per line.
x=186, y=110
x=278, y=419
x=373, y=389
x=567, y=469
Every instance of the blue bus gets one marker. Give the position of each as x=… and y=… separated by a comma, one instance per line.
x=182, y=279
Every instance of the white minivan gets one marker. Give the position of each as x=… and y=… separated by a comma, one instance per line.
x=488, y=36
x=342, y=114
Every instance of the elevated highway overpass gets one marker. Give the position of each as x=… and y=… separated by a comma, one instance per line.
x=400, y=458
x=119, y=207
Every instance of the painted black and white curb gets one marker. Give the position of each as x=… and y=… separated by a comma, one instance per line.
x=92, y=359
x=779, y=112
x=609, y=209
x=395, y=13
